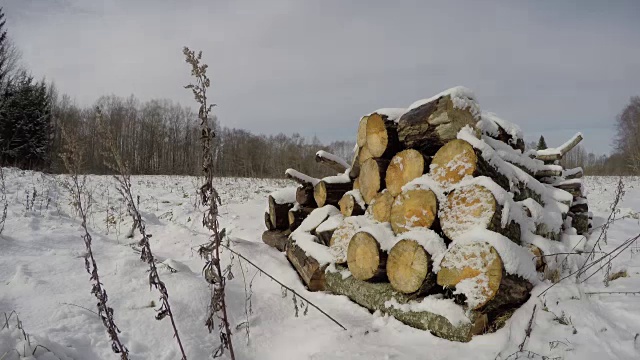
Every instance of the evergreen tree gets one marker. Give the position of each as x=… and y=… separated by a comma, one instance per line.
x=25, y=123
x=541, y=143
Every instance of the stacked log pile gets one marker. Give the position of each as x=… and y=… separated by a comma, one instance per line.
x=441, y=219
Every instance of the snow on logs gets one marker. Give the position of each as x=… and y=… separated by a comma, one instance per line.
x=431, y=123
x=443, y=219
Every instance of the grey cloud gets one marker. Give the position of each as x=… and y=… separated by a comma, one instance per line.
x=315, y=67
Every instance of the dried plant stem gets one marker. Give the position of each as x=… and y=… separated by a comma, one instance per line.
x=209, y=197
x=72, y=160
x=123, y=179
x=284, y=286
x=5, y=203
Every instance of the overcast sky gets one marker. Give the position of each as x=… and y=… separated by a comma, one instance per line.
x=314, y=67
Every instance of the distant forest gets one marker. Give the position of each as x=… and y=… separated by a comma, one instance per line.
x=162, y=137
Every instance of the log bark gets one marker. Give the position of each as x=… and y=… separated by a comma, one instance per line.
x=373, y=297
x=580, y=221
x=573, y=187
x=409, y=268
x=428, y=127
x=297, y=216
x=380, y=207
x=493, y=289
x=308, y=268
x=372, y=174
x=349, y=205
x=413, y=208
x=365, y=258
x=504, y=136
x=458, y=159
x=330, y=193
x=404, y=167
x=325, y=236
x=279, y=214
x=276, y=238
x=267, y=221
x=382, y=136
x=304, y=196
x=474, y=206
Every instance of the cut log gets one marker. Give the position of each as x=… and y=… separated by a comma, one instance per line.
x=339, y=242
x=573, y=187
x=373, y=297
x=501, y=130
x=428, y=127
x=330, y=193
x=404, y=167
x=372, y=174
x=334, y=162
x=297, y=216
x=380, y=207
x=354, y=171
x=580, y=221
x=365, y=258
x=474, y=206
x=382, y=136
x=279, y=214
x=363, y=155
x=541, y=263
x=575, y=173
x=356, y=184
x=409, y=268
x=308, y=268
x=554, y=154
x=361, y=140
x=351, y=203
x=276, y=238
x=300, y=178
x=413, y=208
x=267, y=221
x=458, y=159
x=304, y=196
x=478, y=269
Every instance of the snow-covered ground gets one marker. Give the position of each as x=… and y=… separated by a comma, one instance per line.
x=42, y=279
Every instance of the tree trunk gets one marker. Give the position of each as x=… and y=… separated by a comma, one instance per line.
x=279, y=214
x=372, y=174
x=474, y=206
x=276, y=238
x=428, y=127
x=330, y=193
x=350, y=204
x=404, y=167
x=487, y=288
x=380, y=207
x=304, y=196
x=413, y=208
x=297, y=216
x=458, y=159
x=308, y=268
x=382, y=136
x=409, y=268
x=373, y=297
x=365, y=258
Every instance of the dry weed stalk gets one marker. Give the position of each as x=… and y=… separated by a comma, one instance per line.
x=5, y=203
x=123, y=178
x=72, y=160
x=209, y=197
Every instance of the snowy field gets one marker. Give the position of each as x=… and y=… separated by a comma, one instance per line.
x=42, y=279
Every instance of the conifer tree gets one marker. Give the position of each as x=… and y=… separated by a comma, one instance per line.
x=542, y=144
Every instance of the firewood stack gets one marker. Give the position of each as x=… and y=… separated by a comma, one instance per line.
x=440, y=220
